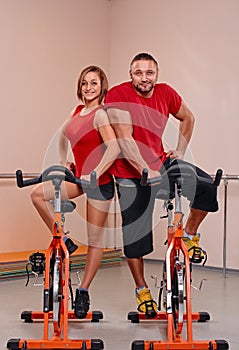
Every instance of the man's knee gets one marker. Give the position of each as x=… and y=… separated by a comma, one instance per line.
x=140, y=247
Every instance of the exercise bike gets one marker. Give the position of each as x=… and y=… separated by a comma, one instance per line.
x=175, y=288
x=56, y=268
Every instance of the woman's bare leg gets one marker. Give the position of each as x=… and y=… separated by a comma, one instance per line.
x=43, y=193
x=97, y=212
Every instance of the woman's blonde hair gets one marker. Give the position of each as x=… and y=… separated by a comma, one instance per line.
x=103, y=79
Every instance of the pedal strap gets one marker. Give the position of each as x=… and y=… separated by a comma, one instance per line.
x=149, y=307
x=198, y=255
x=36, y=263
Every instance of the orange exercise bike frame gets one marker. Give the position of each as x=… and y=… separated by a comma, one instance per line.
x=177, y=265
x=59, y=317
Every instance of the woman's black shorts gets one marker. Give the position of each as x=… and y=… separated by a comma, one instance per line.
x=102, y=192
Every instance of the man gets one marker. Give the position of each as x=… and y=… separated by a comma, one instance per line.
x=138, y=111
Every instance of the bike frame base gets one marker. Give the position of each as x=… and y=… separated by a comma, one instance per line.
x=194, y=344
x=135, y=316
x=93, y=344
x=31, y=316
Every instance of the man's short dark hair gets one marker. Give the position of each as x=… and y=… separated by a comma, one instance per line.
x=145, y=57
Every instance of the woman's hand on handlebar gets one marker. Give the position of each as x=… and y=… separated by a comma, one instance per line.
x=69, y=165
x=86, y=178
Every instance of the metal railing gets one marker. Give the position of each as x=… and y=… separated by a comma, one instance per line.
x=8, y=176
x=225, y=179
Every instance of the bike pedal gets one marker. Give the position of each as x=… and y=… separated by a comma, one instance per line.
x=197, y=255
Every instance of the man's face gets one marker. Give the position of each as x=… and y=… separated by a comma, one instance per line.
x=144, y=75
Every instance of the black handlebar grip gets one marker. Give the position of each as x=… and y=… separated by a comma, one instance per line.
x=144, y=177
x=47, y=176
x=23, y=183
x=218, y=177
x=19, y=178
x=85, y=183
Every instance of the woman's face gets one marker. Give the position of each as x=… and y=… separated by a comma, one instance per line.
x=91, y=87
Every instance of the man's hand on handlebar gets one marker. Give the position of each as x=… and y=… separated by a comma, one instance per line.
x=174, y=154
x=152, y=174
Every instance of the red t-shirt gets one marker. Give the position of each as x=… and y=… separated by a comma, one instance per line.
x=149, y=117
x=86, y=143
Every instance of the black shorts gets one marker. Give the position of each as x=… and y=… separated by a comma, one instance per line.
x=102, y=192
x=137, y=204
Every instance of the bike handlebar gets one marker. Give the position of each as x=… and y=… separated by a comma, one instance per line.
x=47, y=175
x=184, y=171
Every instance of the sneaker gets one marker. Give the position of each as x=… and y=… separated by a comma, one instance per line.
x=70, y=245
x=196, y=253
x=82, y=303
x=145, y=302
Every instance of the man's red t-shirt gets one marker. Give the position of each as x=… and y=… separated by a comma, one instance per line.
x=149, y=118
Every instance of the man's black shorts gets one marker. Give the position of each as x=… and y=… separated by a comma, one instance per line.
x=137, y=204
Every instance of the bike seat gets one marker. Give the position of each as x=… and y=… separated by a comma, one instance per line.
x=164, y=194
x=67, y=206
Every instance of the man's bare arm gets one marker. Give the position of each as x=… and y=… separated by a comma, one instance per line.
x=186, y=118
x=122, y=124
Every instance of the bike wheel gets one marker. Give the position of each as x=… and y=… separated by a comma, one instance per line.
x=178, y=296
x=57, y=294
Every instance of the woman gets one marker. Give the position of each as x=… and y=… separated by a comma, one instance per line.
x=94, y=147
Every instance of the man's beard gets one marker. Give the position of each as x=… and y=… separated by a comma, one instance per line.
x=143, y=91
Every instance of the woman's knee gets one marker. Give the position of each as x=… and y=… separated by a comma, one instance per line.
x=37, y=194
x=95, y=239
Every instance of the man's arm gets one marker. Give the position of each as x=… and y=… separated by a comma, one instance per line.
x=186, y=118
x=122, y=124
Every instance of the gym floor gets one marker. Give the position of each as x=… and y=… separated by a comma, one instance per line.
x=112, y=292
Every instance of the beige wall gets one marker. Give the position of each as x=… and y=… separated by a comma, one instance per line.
x=45, y=44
